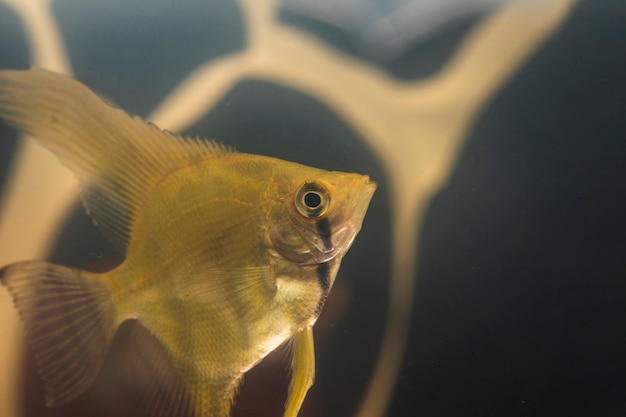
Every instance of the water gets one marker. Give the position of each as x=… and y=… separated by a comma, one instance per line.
x=497, y=228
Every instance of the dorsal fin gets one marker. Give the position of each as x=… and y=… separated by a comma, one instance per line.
x=117, y=158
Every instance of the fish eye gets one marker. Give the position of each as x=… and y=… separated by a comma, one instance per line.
x=312, y=199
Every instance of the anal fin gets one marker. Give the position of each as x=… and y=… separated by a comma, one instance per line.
x=168, y=392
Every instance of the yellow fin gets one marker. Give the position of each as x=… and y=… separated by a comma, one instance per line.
x=119, y=157
x=302, y=371
x=70, y=322
x=168, y=392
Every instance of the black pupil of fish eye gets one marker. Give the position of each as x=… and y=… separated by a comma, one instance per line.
x=312, y=200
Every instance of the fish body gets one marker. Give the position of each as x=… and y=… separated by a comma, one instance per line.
x=227, y=255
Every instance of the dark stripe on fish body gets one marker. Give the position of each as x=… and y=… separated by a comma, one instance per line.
x=323, y=277
x=323, y=270
x=323, y=230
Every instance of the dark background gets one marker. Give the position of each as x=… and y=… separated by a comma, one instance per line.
x=520, y=304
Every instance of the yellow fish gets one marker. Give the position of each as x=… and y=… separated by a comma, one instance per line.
x=227, y=255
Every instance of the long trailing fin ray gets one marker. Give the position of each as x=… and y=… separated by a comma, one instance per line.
x=302, y=371
x=117, y=158
x=80, y=323
x=164, y=390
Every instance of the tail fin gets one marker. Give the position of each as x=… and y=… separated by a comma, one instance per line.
x=70, y=321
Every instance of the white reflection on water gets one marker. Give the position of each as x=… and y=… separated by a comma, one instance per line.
x=384, y=29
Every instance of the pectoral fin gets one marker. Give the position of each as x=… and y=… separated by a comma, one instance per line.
x=302, y=371
x=240, y=290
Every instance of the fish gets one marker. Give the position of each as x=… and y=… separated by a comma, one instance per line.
x=226, y=255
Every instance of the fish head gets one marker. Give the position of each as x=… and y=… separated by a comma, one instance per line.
x=320, y=215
